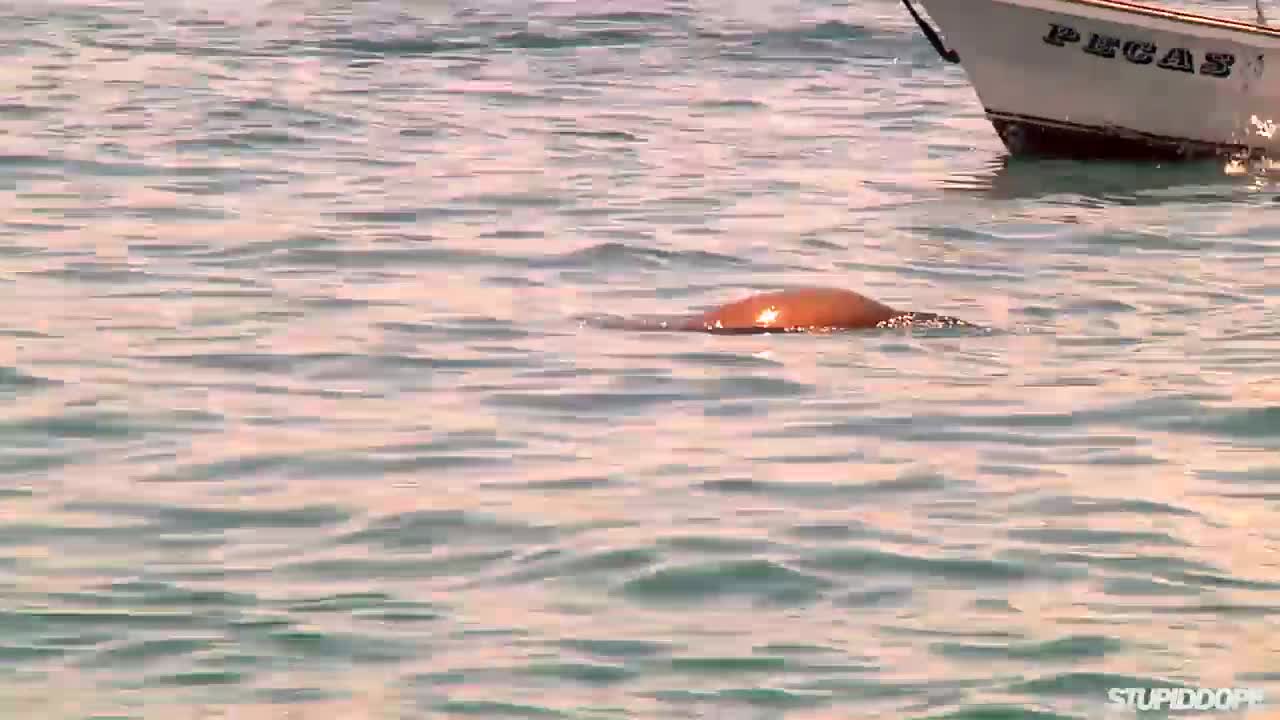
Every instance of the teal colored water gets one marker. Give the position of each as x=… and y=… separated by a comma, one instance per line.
x=300, y=419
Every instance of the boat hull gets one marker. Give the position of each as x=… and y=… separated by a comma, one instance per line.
x=1110, y=79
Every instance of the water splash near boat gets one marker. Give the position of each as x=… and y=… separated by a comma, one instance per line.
x=1261, y=167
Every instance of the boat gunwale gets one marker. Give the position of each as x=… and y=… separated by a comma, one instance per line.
x=1153, y=11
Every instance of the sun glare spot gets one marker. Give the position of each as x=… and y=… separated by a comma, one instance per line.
x=767, y=316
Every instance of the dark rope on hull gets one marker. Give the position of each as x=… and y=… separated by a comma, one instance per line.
x=946, y=54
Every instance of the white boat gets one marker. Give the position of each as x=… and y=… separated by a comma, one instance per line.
x=1113, y=79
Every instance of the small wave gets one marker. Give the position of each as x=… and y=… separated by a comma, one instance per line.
x=1002, y=712
x=615, y=254
x=493, y=709
x=1086, y=684
x=830, y=43
x=796, y=36
x=186, y=519
x=793, y=489
x=21, y=111
x=105, y=425
x=1260, y=424
x=868, y=562
x=615, y=648
x=595, y=565
x=398, y=47
x=1075, y=647
x=421, y=46
x=12, y=378
x=425, y=529
x=760, y=578
x=1090, y=537
x=1065, y=505
x=584, y=405
x=590, y=38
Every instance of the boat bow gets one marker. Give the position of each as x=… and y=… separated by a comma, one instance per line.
x=1113, y=79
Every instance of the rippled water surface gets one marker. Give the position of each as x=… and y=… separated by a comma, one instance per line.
x=300, y=418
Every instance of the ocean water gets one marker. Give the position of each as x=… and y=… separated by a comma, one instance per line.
x=301, y=420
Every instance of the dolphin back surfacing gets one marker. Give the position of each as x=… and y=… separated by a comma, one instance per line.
x=811, y=310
